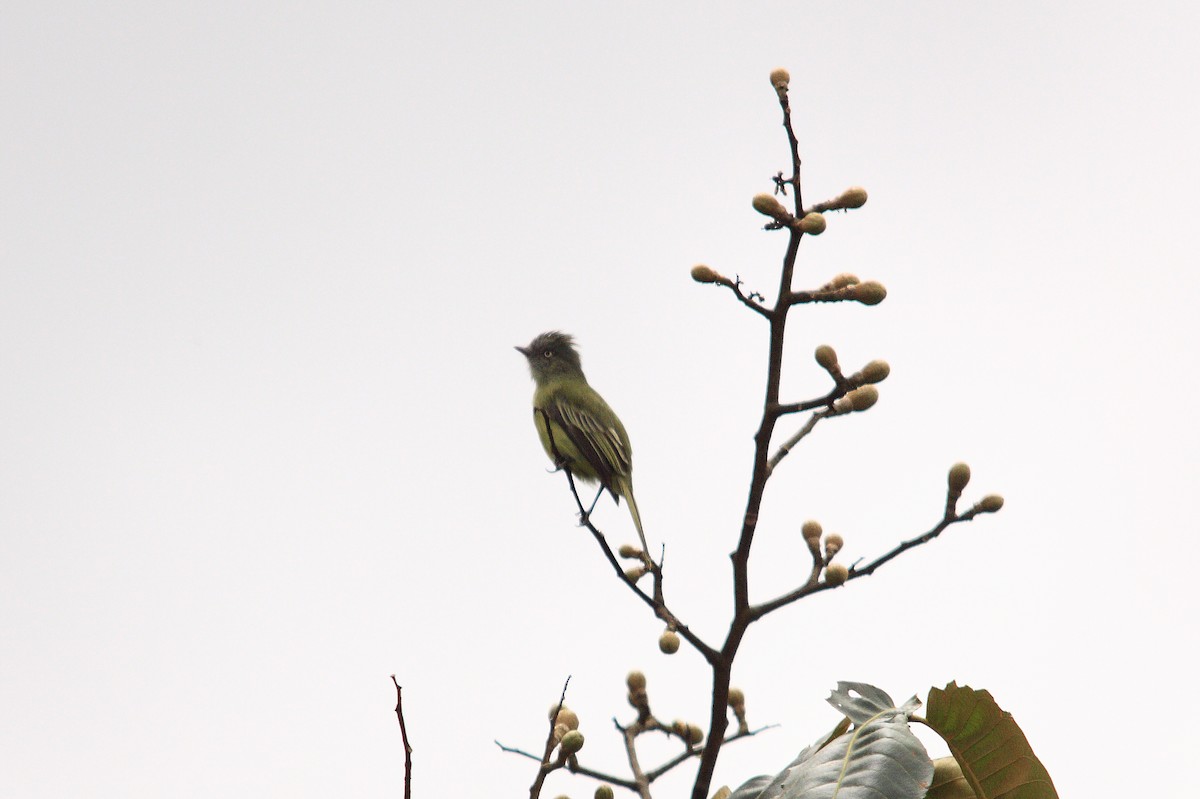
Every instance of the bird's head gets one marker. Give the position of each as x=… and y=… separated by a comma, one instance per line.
x=552, y=354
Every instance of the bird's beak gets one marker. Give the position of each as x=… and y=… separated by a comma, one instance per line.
x=523, y=350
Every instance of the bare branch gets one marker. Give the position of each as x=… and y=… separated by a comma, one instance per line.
x=657, y=602
x=404, y=739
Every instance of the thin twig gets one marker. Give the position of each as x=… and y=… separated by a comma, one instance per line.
x=657, y=602
x=546, y=766
x=813, y=586
x=404, y=739
x=790, y=444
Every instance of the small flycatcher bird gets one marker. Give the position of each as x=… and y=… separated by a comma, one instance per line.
x=587, y=434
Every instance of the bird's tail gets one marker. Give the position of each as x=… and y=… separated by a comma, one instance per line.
x=627, y=492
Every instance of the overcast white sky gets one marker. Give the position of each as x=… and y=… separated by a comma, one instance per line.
x=264, y=440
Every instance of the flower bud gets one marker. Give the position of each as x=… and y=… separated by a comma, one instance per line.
x=874, y=372
x=959, y=476
x=869, y=293
x=694, y=734
x=629, y=551
x=780, y=79
x=812, y=223
x=635, y=573
x=679, y=727
x=863, y=397
x=668, y=642
x=567, y=717
x=841, y=281
x=826, y=357
x=559, y=731
x=833, y=545
x=811, y=530
x=853, y=197
x=767, y=205
x=636, y=681
x=572, y=742
x=991, y=503
x=705, y=274
x=736, y=697
x=836, y=574
x=603, y=792
x=637, y=699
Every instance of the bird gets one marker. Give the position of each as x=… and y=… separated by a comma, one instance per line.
x=576, y=426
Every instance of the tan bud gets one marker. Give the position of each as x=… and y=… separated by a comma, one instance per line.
x=842, y=281
x=959, y=476
x=853, y=197
x=705, y=274
x=603, y=792
x=863, y=397
x=668, y=642
x=811, y=530
x=736, y=697
x=635, y=573
x=636, y=681
x=812, y=223
x=874, y=372
x=569, y=718
x=833, y=544
x=629, y=551
x=780, y=79
x=572, y=742
x=637, y=699
x=679, y=727
x=767, y=205
x=991, y=503
x=560, y=730
x=869, y=293
x=836, y=574
x=694, y=734
x=826, y=356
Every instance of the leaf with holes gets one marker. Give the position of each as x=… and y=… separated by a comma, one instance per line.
x=878, y=758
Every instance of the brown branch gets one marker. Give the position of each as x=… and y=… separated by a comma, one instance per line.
x=657, y=602
x=404, y=739
x=748, y=300
x=641, y=783
x=814, y=587
x=792, y=441
x=546, y=766
x=722, y=667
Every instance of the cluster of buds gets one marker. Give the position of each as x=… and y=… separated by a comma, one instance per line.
x=635, y=681
x=859, y=399
x=630, y=552
x=848, y=287
x=566, y=730
x=737, y=703
x=690, y=733
x=835, y=573
x=956, y=480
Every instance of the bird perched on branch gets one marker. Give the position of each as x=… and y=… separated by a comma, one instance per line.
x=577, y=428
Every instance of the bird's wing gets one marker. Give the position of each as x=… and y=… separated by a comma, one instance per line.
x=601, y=445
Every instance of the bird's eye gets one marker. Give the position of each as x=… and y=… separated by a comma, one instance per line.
x=548, y=353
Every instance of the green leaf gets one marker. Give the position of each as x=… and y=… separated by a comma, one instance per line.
x=992, y=753
x=879, y=758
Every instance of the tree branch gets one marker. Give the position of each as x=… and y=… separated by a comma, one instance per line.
x=404, y=739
